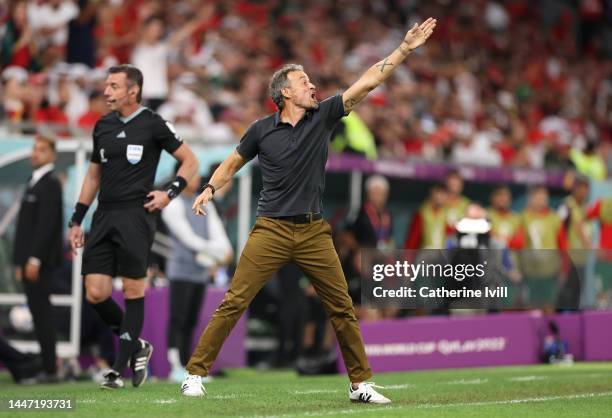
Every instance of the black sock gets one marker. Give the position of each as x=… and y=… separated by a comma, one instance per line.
x=130, y=331
x=110, y=313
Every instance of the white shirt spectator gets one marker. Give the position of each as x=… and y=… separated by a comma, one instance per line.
x=212, y=250
x=77, y=104
x=478, y=152
x=192, y=118
x=56, y=18
x=152, y=60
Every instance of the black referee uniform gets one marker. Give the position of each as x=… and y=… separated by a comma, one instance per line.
x=128, y=150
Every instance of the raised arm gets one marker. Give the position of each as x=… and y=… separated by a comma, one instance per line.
x=191, y=26
x=222, y=175
x=379, y=72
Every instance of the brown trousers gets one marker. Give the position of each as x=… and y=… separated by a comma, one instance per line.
x=271, y=244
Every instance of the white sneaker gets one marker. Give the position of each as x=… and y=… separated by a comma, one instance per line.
x=192, y=386
x=365, y=393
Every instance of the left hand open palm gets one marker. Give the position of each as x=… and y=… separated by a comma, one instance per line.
x=419, y=33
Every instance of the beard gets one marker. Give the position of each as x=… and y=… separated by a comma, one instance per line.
x=310, y=104
x=313, y=106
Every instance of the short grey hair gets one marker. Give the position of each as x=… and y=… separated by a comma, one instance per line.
x=377, y=180
x=279, y=81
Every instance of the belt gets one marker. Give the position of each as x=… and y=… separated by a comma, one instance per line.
x=304, y=218
x=126, y=204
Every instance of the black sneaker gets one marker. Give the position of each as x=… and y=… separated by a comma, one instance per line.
x=139, y=363
x=112, y=380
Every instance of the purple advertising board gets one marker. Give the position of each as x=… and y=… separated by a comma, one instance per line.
x=447, y=342
x=480, y=341
x=571, y=329
x=414, y=169
x=597, y=329
x=155, y=328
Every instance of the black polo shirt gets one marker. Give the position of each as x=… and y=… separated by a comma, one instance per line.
x=128, y=150
x=292, y=159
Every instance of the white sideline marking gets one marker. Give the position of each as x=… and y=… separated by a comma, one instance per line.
x=397, y=387
x=222, y=397
x=164, y=401
x=313, y=391
x=527, y=378
x=468, y=381
x=381, y=409
x=518, y=401
x=86, y=401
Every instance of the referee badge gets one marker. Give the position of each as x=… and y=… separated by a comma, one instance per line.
x=134, y=153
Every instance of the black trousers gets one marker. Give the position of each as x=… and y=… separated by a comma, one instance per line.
x=185, y=303
x=37, y=295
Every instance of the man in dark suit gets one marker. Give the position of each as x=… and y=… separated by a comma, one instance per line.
x=38, y=246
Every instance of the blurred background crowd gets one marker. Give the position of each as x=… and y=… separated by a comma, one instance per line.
x=508, y=83
x=515, y=82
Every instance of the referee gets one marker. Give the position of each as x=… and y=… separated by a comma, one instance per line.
x=292, y=148
x=127, y=145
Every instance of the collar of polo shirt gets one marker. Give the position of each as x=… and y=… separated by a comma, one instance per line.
x=277, y=117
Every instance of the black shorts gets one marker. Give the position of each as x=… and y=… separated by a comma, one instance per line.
x=119, y=243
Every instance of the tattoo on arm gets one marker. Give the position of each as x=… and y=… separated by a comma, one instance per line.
x=349, y=103
x=384, y=64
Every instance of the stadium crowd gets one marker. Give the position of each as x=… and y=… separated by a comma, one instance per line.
x=513, y=82
x=516, y=83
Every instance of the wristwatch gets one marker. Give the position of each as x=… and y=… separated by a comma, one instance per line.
x=209, y=186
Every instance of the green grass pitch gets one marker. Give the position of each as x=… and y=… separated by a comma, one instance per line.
x=581, y=390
